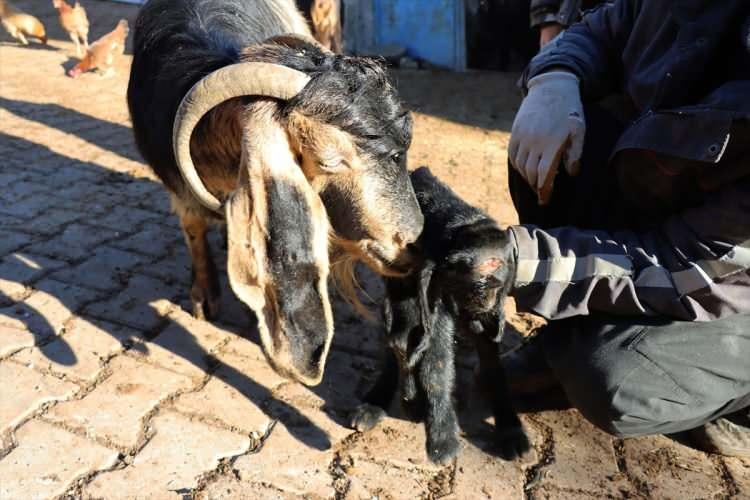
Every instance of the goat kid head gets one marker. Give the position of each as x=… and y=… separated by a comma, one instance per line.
x=325, y=139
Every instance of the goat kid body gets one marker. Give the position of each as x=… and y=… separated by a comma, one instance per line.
x=459, y=291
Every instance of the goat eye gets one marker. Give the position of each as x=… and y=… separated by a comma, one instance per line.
x=332, y=165
x=396, y=157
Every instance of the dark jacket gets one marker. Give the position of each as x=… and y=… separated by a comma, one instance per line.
x=684, y=68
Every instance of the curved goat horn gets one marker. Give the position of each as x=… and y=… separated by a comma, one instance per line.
x=236, y=80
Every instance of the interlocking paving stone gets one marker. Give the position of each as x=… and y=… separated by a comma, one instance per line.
x=399, y=442
x=115, y=408
x=584, y=457
x=236, y=393
x=125, y=218
x=47, y=460
x=11, y=240
x=28, y=208
x=82, y=350
x=230, y=488
x=75, y=242
x=153, y=239
x=184, y=346
x=14, y=339
x=51, y=222
x=28, y=391
x=107, y=269
x=46, y=310
x=671, y=470
x=170, y=465
x=20, y=269
x=142, y=305
x=172, y=269
x=291, y=461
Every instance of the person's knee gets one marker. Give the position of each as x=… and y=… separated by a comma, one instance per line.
x=614, y=385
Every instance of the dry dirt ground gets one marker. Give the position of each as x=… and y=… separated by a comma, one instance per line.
x=109, y=389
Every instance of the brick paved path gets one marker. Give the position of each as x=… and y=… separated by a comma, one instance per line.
x=108, y=388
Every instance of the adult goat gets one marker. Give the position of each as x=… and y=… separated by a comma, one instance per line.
x=248, y=120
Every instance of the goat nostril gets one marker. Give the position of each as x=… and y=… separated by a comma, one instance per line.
x=317, y=354
x=398, y=239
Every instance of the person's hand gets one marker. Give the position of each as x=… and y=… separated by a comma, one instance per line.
x=548, y=128
x=547, y=32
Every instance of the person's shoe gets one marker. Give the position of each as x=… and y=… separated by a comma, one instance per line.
x=728, y=436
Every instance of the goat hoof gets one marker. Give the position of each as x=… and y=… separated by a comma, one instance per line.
x=512, y=443
x=204, y=309
x=365, y=417
x=442, y=451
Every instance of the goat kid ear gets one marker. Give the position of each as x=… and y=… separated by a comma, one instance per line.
x=278, y=253
x=426, y=302
x=489, y=266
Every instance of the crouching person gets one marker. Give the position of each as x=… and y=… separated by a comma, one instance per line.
x=635, y=225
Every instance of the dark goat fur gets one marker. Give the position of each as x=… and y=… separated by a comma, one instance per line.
x=464, y=279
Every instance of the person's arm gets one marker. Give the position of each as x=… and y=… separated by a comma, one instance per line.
x=591, y=49
x=553, y=16
x=695, y=267
x=544, y=12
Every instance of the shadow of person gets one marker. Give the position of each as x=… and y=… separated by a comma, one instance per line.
x=50, y=170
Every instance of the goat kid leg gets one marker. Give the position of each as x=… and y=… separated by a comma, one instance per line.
x=204, y=291
x=510, y=436
x=377, y=401
x=437, y=378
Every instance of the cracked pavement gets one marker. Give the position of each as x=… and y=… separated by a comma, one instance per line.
x=110, y=389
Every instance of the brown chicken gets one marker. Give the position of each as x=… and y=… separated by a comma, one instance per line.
x=326, y=20
x=102, y=53
x=74, y=20
x=20, y=25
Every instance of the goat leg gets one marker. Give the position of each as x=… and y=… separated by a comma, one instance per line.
x=377, y=401
x=437, y=378
x=510, y=436
x=204, y=291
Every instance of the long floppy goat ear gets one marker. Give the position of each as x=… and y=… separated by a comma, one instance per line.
x=427, y=309
x=278, y=250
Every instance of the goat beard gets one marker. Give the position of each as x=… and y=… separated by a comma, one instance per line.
x=344, y=256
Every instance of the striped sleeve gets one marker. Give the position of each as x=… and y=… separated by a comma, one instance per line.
x=695, y=266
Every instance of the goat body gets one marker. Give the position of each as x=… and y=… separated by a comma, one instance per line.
x=233, y=99
x=19, y=24
x=465, y=277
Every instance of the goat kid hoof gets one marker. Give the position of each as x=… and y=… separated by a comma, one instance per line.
x=512, y=443
x=443, y=451
x=365, y=417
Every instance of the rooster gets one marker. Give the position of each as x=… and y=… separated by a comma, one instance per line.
x=326, y=21
x=75, y=21
x=101, y=55
x=20, y=25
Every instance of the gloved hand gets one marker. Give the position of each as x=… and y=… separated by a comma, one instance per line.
x=549, y=126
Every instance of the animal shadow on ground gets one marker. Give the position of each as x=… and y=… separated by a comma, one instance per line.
x=62, y=185
x=6, y=41
x=107, y=135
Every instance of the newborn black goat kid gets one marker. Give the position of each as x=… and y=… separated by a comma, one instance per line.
x=466, y=274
